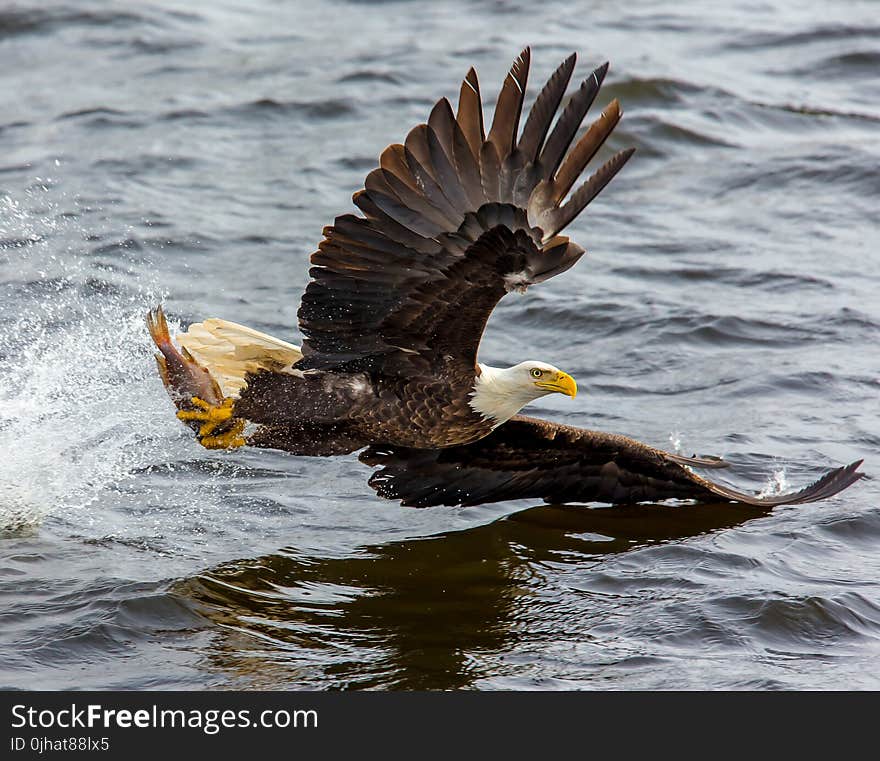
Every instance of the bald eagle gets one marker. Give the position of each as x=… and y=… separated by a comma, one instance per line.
x=451, y=221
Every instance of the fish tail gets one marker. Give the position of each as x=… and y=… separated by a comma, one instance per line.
x=158, y=327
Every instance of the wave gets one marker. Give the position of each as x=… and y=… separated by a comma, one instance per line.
x=817, y=33
x=27, y=21
x=330, y=108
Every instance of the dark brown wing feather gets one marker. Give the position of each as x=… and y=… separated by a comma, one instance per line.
x=505, y=123
x=470, y=112
x=450, y=224
x=536, y=459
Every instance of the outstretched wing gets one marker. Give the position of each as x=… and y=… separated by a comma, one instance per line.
x=452, y=220
x=536, y=459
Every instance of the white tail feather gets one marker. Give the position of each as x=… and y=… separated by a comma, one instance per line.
x=229, y=351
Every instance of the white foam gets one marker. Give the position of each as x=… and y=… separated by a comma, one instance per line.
x=777, y=483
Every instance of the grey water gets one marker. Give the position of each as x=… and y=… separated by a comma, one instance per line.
x=191, y=152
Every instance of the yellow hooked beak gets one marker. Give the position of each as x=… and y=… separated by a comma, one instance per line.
x=561, y=383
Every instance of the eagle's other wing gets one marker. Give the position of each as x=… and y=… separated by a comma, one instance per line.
x=537, y=459
x=454, y=219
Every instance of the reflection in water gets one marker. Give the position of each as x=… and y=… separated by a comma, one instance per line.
x=410, y=614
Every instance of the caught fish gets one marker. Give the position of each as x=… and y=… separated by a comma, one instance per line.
x=184, y=379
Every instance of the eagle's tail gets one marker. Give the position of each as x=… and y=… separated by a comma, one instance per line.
x=231, y=351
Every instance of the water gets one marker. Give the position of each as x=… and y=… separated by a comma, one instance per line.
x=192, y=153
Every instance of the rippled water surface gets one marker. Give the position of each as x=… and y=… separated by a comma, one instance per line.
x=192, y=152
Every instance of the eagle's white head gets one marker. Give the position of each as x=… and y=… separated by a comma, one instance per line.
x=500, y=393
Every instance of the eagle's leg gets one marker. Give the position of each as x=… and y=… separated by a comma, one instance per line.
x=212, y=417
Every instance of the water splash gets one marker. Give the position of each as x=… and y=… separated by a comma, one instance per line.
x=675, y=441
x=777, y=483
x=77, y=386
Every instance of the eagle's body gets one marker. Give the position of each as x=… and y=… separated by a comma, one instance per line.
x=357, y=409
x=451, y=221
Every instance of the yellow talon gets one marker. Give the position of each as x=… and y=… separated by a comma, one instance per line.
x=229, y=440
x=212, y=416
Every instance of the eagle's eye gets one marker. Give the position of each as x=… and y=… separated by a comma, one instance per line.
x=536, y=373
